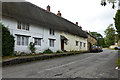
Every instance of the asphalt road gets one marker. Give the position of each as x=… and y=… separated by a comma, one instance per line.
x=88, y=65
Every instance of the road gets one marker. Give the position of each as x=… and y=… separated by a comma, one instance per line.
x=88, y=65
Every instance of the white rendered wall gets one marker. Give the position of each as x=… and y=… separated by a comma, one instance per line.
x=34, y=31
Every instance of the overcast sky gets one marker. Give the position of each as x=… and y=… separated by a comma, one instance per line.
x=88, y=13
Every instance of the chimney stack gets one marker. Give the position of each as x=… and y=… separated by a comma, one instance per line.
x=48, y=8
x=59, y=14
x=80, y=27
x=76, y=23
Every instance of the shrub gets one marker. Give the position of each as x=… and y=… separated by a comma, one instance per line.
x=22, y=53
x=32, y=47
x=7, y=42
x=58, y=51
x=48, y=51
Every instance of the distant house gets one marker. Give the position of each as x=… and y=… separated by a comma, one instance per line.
x=91, y=40
x=30, y=23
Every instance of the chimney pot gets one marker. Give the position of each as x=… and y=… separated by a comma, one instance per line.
x=48, y=8
x=80, y=27
x=59, y=14
x=77, y=23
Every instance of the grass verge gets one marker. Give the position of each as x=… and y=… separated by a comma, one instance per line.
x=118, y=61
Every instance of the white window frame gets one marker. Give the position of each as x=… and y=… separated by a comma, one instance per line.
x=23, y=26
x=38, y=43
x=84, y=44
x=52, y=31
x=22, y=40
x=81, y=44
x=51, y=42
x=77, y=43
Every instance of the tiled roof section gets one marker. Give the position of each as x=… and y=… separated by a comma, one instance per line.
x=30, y=13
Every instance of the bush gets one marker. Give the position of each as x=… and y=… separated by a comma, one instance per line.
x=22, y=53
x=32, y=47
x=48, y=51
x=7, y=42
x=58, y=51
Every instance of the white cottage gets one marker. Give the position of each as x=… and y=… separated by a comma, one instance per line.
x=29, y=23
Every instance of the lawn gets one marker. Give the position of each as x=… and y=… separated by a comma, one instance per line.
x=118, y=61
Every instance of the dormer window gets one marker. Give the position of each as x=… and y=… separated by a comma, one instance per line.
x=23, y=26
x=52, y=32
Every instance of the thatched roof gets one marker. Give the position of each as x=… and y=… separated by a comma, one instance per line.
x=30, y=13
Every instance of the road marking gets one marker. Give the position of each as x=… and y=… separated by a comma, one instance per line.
x=65, y=64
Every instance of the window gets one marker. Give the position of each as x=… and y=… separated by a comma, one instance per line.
x=76, y=43
x=84, y=44
x=27, y=27
x=23, y=26
x=22, y=40
x=51, y=42
x=18, y=40
x=19, y=25
x=52, y=32
x=37, y=41
x=80, y=43
x=66, y=42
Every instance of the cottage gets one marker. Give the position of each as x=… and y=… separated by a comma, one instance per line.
x=30, y=23
x=91, y=40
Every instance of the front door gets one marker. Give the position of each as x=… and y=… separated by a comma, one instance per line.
x=62, y=44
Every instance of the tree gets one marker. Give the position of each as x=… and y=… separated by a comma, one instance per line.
x=7, y=42
x=110, y=35
x=99, y=37
x=117, y=22
x=104, y=2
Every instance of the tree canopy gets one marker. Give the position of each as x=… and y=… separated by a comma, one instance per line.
x=117, y=22
x=104, y=2
x=110, y=35
x=99, y=37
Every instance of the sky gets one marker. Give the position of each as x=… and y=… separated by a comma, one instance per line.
x=89, y=14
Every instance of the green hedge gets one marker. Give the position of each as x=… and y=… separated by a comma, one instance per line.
x=7, y=42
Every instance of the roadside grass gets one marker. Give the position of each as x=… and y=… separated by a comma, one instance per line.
x=118, y=61
x=111, y=48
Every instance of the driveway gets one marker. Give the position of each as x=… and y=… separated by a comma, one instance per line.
x=88, y=65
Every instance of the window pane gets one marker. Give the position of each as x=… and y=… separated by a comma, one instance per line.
x=22, y=40
x=23, y=26
x=51, y=43
x=27, y=27
x=80, y=43
x=84, y=44
x=53, y=32
x=19, y=25
x=76, y=43
x=27, y=40
x=18, y=40
x=50, y=31
x=39, y=41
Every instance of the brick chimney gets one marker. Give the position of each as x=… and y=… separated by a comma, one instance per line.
x=80, y=27
x=48, y=8
x=76, y=23
x=59, y=14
